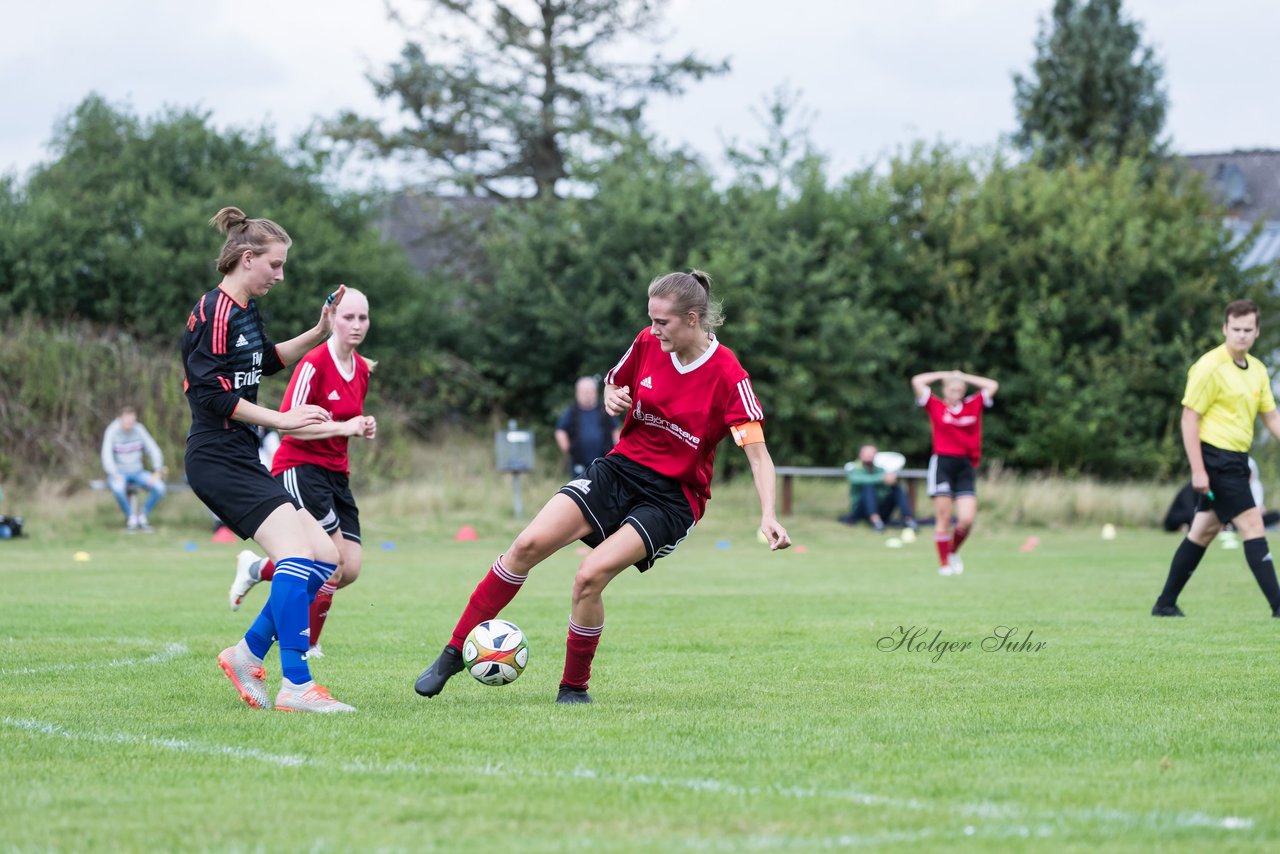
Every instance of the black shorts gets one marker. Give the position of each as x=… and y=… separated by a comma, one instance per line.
x=615, y=491
x=228, y=477
x=950, y=477
x=326, y=495
x=1228, y=481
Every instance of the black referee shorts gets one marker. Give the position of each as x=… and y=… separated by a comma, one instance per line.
x=228, y=477
x=326, y=495
x=615, y=491
x=1228, y=481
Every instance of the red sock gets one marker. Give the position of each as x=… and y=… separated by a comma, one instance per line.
x=579, y=649
x=267, y=571
x=960, y=536
x=320, y=610
x=495, y=590
x=943, y=542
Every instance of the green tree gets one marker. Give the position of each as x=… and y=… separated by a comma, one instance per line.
x=114, y=231
x=566, y=291
x=1087, y=290
x=1094, y=89
x=10, y=252
x=500, y=95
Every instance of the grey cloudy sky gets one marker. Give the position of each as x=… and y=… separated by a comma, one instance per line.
x=874, y=74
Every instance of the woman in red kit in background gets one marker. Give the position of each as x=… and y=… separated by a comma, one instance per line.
x=682, y=391
x=957, y=447
x=313, y=464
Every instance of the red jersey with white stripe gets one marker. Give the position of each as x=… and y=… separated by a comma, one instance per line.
x=957, y=431
x=319, y=379
x=679, y=413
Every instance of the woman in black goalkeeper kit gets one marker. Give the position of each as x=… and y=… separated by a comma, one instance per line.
x=225, y=353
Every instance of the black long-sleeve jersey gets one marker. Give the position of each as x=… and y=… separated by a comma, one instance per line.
x=225, y=354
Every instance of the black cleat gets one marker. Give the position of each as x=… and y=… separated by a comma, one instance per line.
x=432, y=680
x=1159, y=610
x=572, y=695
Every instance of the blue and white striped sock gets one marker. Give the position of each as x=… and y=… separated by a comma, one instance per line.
x=319, y=575
x=262, y=633
x=289, y=601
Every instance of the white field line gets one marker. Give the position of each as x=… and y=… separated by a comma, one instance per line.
x=1024, y=823
x=169, y=652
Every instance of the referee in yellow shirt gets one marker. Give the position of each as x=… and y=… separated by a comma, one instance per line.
x=1226, y=390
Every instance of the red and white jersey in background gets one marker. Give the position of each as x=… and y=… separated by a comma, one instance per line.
x=318, y=379
x=679, y=413
x=957, y=431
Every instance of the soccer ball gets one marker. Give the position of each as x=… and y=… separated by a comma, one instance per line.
x=495, y=652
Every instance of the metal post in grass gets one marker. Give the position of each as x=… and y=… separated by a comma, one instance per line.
x=514, y=450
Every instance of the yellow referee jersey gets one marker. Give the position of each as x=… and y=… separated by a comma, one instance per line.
x=1228, y=398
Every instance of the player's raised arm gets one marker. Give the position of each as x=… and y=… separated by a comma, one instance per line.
x=920, y=382
x=986, y=385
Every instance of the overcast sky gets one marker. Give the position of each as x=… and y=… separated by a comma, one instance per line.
x=874, y=74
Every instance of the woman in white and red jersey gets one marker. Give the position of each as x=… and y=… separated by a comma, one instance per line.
x=312, y=463
x=957, y=448
x=682, y=391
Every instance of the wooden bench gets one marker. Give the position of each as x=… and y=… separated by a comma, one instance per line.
x=172, y=486
x=911, y=477
x=132, y=490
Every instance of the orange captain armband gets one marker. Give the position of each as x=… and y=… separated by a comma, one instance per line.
x=751, y=433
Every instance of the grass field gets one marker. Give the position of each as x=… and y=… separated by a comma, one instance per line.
x=744, y=701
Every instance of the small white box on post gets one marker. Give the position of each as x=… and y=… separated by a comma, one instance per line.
x=514, y=451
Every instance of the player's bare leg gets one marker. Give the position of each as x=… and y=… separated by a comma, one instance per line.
x=966, y=511
x=942, y=532
x=586, y=615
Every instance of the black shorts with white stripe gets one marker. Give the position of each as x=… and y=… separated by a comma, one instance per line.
x=950, y=477
x=615, y=491
x=326, y=495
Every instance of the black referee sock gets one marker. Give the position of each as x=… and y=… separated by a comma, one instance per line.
x=1258, y=553
x=1185, y=561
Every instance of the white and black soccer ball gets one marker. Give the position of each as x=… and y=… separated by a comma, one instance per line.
x=495, y=652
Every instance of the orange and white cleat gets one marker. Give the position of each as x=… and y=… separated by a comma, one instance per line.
x=308, y=698
x=249, y=677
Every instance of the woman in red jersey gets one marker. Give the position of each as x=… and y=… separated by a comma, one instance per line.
x=682, y=391
x=312, y=463
x=957, y=448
